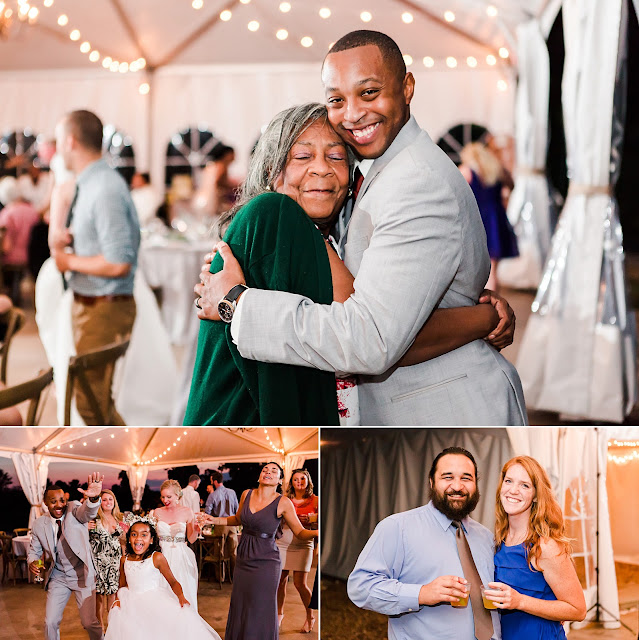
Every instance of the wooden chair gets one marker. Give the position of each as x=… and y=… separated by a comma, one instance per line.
x=13, y=320
x=10, y=559
x=22, y=531
x=30, y=390
x=78, y=365
x=212, y=552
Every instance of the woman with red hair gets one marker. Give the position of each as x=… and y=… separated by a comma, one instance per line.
x=536, y=584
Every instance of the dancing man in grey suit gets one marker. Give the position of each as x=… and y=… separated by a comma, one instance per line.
x=415, y=242
x=63, y=534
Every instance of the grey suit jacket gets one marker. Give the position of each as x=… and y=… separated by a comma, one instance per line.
x=74, y=528
x=415, y=243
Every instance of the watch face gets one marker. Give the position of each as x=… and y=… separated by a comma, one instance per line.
x=225, y=309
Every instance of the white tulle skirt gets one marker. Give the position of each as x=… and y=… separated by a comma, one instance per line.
x=155, y=615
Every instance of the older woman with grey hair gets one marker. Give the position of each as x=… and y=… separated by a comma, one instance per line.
x=296, y=185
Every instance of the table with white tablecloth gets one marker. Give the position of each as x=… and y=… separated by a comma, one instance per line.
x=174, y=266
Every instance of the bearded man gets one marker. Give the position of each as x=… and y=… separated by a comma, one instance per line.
x=419, y=562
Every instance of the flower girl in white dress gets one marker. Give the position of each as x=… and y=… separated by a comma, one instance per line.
x=150, y=603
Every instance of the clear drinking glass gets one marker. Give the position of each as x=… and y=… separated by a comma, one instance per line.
x=463, y=602
x=40, y=564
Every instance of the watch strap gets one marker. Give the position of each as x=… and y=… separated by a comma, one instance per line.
x=235, y=292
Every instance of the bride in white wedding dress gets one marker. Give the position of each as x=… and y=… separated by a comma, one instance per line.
x=151, y=603
x=176, y=525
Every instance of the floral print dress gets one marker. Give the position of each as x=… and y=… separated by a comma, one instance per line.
x=107, y=552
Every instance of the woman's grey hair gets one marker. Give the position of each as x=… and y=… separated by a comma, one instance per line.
x=271, y=153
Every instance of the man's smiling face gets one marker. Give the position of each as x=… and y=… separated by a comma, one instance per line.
x=367, y=102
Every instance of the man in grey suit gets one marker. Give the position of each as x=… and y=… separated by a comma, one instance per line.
x=63, y=535
x=415, y=242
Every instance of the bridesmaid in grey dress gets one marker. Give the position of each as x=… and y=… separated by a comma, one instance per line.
x=253, y=610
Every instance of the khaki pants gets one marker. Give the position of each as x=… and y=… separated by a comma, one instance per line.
x=94, y=326
x=229, y=544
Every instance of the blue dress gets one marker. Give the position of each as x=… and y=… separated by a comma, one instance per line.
x=511, y=568
x=502, y=241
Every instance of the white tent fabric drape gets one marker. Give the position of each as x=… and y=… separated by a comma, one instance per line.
x=529, y=208
x=578, y=352
x=291, y=462
x=145, y=379
x=137, y=475
x=385, y=472
x=32, y=470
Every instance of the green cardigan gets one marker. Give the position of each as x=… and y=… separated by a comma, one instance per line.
x=278, y=248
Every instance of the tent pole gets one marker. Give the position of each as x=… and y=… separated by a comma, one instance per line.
x=598, y=607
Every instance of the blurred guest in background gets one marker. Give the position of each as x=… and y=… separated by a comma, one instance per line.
x=147, y=199
x=484, y=173
x=190, y=496
x=17, y=219
x=217, y=192
x=105, y=238
x=222, y=502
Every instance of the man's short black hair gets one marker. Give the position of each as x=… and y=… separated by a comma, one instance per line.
x=387, y=47
x=456, y=451
x=52, y=487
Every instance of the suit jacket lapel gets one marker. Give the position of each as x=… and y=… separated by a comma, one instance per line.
x=48, y=534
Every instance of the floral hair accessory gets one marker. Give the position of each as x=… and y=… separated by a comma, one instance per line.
x=131, y=519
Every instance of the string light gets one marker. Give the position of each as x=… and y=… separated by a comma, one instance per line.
x=281, y=34
x=471, y=62
x=285, y=7
x=449, y=16
x=272, y=444
x=226, y=15
x=197, y=4
x=491, y=60
x=85, y=47
x=63, y=20
x=407, y=17
x=366, y=16
x=94, y=56
x=48, y=3
x=306, y=41
x=503, y=52
x=625, y=459
x=325, y=12
x=253, y=25
x=623, y=443
x=408, y=59
x=74, y=35
x=502, y=85
x=491, y=10
x=144, y=88
x=428, y=62
x=451, y=62
x=245, y=1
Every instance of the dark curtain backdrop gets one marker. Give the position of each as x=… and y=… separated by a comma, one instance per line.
x=368, y=474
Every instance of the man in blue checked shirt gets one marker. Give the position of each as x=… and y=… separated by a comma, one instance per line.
x=411, y=570
x=100, y=251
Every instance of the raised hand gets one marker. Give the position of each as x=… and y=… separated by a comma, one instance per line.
x=94, y=488
x=442, y=589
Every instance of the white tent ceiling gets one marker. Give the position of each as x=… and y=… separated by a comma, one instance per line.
x=121, y=447
x=173, y=32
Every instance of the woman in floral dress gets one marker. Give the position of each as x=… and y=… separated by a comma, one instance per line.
x=106, y=535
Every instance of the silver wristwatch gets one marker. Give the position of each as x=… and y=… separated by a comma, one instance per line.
x=226, y=306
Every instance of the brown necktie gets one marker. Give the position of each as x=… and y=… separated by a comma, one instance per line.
x=59, y=522
x=358, y=181
x=481, y=617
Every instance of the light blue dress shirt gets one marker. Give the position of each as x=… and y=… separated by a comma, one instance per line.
x=411, y=549
x=216, y=502
x=104, y=223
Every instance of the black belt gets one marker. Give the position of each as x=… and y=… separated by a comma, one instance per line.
x=258, y=534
